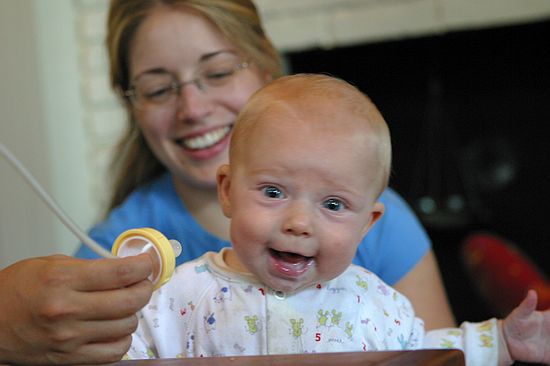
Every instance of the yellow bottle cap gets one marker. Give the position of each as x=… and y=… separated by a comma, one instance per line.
x=148, y=240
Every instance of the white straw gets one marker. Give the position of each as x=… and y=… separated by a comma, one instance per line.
x=80, y=234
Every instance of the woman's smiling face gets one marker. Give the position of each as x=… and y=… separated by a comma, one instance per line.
x=190, y=133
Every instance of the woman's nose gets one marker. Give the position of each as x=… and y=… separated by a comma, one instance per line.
x=299, y=220
x=193, y=103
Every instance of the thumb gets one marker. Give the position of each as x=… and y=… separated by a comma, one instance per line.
x=512, y=324
x=527, y=306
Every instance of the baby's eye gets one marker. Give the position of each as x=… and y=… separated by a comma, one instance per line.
x=333, y=204
x=272, y=192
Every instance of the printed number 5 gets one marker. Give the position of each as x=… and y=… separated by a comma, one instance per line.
x=317, y=337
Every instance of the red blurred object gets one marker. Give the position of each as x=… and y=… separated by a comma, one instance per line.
x=502, y=273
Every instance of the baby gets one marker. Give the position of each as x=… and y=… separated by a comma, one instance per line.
x=309, y=157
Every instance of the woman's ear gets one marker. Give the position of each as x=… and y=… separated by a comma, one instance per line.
x=376, y=214
x=223, y=179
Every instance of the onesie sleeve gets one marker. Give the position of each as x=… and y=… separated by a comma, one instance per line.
x=478, y=341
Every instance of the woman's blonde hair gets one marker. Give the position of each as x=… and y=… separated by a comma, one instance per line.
x=134, y=164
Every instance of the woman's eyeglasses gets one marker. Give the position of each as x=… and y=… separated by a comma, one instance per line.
x=154, y=89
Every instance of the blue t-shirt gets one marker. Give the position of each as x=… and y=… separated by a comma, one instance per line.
x=391, y=248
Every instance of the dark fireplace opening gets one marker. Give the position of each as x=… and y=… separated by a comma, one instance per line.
x=468, y=112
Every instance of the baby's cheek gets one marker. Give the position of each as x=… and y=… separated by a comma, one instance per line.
x=330, y=267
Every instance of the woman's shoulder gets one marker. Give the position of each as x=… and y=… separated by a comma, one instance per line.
x=396, y=242
x=399, y=221
x=159, y=189
x=395, y=204
x=152, y=200
x=147, y=206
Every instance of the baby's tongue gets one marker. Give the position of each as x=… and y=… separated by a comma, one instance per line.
x=291, y=257
x=292, y=264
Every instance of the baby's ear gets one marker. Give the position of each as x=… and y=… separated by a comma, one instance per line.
x=376, y=214
x=223, y=179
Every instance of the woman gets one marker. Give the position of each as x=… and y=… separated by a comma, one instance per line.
x=184, y=70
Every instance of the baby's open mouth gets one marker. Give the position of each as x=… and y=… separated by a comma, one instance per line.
x=291, y=264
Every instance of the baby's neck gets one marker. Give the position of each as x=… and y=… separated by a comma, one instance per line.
x=232, y=261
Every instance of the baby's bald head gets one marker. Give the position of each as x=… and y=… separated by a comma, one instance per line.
x=324, y=104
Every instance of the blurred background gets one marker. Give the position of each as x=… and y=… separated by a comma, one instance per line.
x=463, y=84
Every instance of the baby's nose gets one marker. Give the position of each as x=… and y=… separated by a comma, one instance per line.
x=299, y=220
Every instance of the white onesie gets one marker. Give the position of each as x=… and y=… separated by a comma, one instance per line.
x=207, y=309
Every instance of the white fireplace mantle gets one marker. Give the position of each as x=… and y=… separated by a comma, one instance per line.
x=303, y=24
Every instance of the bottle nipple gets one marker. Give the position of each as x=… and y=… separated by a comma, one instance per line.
x=176, y=247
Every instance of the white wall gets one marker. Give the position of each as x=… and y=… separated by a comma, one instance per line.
x=42, y=124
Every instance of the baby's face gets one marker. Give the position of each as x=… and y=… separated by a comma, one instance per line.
x=301, y=196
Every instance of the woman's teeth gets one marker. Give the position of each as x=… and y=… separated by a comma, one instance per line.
x=208, y=139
